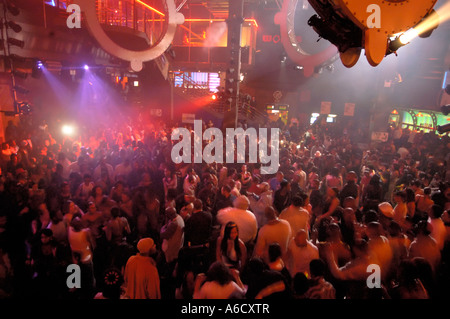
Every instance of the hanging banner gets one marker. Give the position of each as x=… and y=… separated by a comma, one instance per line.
x=325, y=108
x=380, y=136
x=349, y=109
x=188, y=118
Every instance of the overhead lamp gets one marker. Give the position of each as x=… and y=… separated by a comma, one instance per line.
x=67, y=129
x=36, y=71
x=401, y=40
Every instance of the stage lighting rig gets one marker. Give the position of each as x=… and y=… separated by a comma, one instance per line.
x=380, y=27
x=334, y=27
x=24, y=108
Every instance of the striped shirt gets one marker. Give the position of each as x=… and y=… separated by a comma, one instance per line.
x=320, y=289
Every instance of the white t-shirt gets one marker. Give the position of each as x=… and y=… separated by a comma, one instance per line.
x=300, y=257
x=244, y=219
x=298, y=218
x=278, y=232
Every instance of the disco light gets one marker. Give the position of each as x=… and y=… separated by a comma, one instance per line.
x=67, y=130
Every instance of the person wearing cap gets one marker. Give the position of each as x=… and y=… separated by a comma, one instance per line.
x=242, y=216
x=141, y=277
x=258, y=203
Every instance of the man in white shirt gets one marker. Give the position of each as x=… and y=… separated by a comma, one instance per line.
x=296, y=215
x=300, y=253
x=244, y=219
x=258, y=203
x=274, y=231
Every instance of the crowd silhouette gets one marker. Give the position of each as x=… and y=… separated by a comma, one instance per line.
x=139, y=226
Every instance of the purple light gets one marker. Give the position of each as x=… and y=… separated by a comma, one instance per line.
x=86, y=67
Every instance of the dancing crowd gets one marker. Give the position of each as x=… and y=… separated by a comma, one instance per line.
x=139, y=226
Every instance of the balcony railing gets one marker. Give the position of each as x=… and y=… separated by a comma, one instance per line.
x=133, y=14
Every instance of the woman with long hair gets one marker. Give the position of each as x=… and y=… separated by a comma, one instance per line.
x=220, y=282
x=230, y=248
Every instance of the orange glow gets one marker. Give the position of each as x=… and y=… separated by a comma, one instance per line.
x=394, y=112
x=193, y=33
x=214, y=97
x=253, y=21
x=218, y=20
x=150, y=7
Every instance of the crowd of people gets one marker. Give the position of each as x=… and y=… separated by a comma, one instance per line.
x=142, y=227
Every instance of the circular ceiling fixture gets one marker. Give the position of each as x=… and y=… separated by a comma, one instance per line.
x=294, y=49
x=136, y=58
